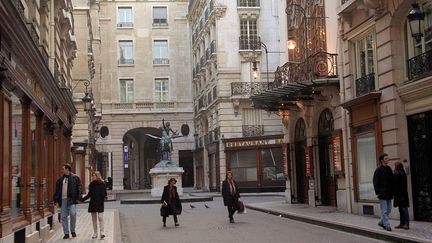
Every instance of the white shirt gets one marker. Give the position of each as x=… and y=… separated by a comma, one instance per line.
x=64, y=188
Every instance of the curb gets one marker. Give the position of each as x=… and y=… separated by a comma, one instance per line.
x=354, y=229
x=117, y=229
x=157, y=201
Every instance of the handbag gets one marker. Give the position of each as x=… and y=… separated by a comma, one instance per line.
x=240, y=206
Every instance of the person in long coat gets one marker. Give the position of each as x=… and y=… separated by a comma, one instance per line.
x=171, y=204
x=400, y=192
x=230, y=195
x=97, y=194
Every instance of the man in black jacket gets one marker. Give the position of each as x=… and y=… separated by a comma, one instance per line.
x=67, y=195
x=383, y=185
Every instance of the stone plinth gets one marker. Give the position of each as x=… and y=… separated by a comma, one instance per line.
x=161, y=175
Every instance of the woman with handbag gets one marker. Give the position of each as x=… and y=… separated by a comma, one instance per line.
x=171, y=204
x=230, y=195
x=97, y=194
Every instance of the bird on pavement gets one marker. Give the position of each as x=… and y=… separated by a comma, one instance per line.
x=205, y=205
x=192, y=206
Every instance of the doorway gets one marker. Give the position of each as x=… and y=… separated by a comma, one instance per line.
x=300, y=166
x=186, y=162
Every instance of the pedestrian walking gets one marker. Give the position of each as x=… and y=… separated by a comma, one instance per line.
x=230, y=195
x=66, y=196
x=171, y=204
x=383, y=185
x=97, y=194
x=401, y=195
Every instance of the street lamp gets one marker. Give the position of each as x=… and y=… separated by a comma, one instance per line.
x=415, y=20
x=254, y=63
x=292, y=44
x=87, y=99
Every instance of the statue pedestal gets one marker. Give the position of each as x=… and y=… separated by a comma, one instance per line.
x=160, y=176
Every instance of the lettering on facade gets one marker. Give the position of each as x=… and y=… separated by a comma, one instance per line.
x=238, y=144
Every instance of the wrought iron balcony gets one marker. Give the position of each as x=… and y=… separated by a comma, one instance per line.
x=321, y=65
x=365, y=85
x=203, y=61
x=208, y=53
x=248, y=88
x=124, y=24
x=126, y=61
x=249, y=42
x=252, y=130
x=161, y=61
x=213, y=46
x=420, y=66
x=248, y=3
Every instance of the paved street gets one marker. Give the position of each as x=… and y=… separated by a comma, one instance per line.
x=142, y=223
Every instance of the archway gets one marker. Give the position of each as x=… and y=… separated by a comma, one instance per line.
x=140, y=154
x=326, y=165
x=300, y=166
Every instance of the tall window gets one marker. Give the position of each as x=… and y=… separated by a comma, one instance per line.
x=126, y=91
x=126, y=52
x=160, y=52
x=366, y=165
x=16, y=156
x=252, y=124
x=33, y=165
x=248, y=34
x=365, y=64
x=124, y=17
x=161, y=90
x=272, y=164
x=160, y=16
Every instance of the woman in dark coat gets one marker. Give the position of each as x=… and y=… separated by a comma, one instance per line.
x=230, y=195
x=171, y=204
x=401, y=195
x=97, y=194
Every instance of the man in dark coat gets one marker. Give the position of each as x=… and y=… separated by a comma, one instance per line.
x=230, y=195
x=383, y=185
x=171, y=204
x=66, y=196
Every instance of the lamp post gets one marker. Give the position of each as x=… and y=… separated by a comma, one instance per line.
x=87, y=99
x=415, y=20
x=254, y=63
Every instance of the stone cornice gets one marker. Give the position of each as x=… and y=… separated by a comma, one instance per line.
x=416, y=90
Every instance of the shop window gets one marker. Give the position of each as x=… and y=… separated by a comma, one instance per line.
x=271, y=160
x=243, y=165
x=366, y=165
x=16, y=155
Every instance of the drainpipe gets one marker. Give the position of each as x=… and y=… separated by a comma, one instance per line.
x=345, y=123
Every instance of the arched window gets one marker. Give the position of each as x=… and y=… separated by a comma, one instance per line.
x=325, y=123
x=300, y=130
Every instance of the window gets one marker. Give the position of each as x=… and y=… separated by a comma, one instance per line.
x=126, y=91
x=243, y=165
x=160, y=52
x=124, y=17
x=126, y=52
x=365, y=64
x=33, y=160
x=252, y=124
x=161, y=90
x=366, y=165
x=160, y=16
x=248, y=34
x=16, y=155
x=272, y=164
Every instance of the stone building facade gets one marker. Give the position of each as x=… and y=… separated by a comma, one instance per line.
x=144, y=79
x=37, y=113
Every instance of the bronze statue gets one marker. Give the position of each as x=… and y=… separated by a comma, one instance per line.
x=165, y=145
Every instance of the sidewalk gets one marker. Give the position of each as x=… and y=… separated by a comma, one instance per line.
x=84, y=228
x=356, y=224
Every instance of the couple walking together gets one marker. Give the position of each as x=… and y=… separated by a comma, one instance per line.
x=68, y=194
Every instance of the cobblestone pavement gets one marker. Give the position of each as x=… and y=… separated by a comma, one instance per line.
x=419, y=231
x=143, y=224
x=84, y=228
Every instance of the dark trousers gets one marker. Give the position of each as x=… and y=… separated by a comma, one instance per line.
x=231, y=211
x=164, y=219
x=404, y=216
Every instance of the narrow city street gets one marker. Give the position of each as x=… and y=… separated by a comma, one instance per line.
x=142, y=223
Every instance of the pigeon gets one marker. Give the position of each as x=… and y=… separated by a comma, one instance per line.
x=192, y=206
x=205, y=205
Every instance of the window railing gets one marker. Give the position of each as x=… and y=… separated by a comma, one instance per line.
x=126, y=61
x=248, y=3
x=203, y=61
x=248, y=88
x=213, y=46
x=160, y=22
x=208, y=53
x=252, y=130
x=161, y=61
x=420, y=66
x=365, y=85
x=124, y=24
x=249, y=42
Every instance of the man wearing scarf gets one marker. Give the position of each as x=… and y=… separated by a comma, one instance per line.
x=230, y=195
x=67, y=195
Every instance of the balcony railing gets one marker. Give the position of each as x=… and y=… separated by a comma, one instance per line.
x=248, y=3
x=208, y=53
x=213, y=46
x=420, y=66
x=252, y=130
x=321, y=65
x=126, y=61
x=365, y=85
x=202, y=61
x=143, y=106
x=161, y=61
x=248, y=88
x=249, y=42
x=124, y=24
